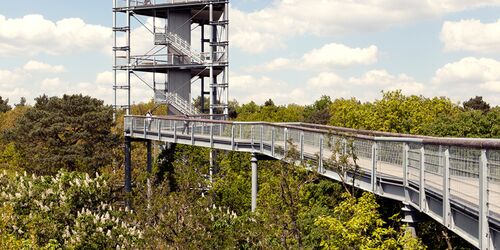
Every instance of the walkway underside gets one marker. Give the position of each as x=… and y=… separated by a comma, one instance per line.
x=454, y=181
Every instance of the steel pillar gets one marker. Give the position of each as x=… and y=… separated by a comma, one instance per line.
x=149, y=169
x=410, y=218
x=128, y=170
x=254, y=161
x=213, y=165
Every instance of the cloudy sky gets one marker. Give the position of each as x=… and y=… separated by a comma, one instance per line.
x=289, y=50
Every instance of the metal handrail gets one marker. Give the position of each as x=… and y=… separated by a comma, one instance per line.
x=180, y=104
x=181, y=45
x=457, y=171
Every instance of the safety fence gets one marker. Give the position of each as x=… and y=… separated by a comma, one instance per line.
x=456, y=171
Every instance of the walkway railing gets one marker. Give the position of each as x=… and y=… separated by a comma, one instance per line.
x=454, y=181
x=179, y=44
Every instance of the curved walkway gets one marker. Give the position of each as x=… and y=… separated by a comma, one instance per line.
x=454, y=181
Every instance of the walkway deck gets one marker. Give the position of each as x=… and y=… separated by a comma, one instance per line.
x=454, y=181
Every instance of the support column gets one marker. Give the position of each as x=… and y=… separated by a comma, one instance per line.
x=213, y=165
x=253, y=161
x=149, y=169
x=128, y=171
x=410, y=218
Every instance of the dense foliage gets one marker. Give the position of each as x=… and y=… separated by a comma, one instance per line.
x=67, y=209
x=177, y=207
x=72, y=132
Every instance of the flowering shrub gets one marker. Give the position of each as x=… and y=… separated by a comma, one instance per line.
x=69, y=209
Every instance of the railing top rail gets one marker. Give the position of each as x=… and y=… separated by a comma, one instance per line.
x=361, y=134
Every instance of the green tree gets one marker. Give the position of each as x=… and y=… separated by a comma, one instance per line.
x=4, y=105
x=67, y=209
x=351, y=113
x=356, y=224
x=477, y=103
x=473, y=123
x=22, y=102
x=72, y=132
x=319, y=112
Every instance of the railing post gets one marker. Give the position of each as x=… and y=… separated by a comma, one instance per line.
x=302, y=145
x=423, y=200
x=158, y=124
x=484, y=231
x=272, y=141
x=232, y=137
x=145, y=128
x=321, y=140
x=211, y=135
x=285, y=136
x=192, y=132
x=175, y=131
x=406, y=150
x=241, y=132
x=251, y=135
x=374, y=167
x=446, y=190
x=261, y=138
x=132, y=125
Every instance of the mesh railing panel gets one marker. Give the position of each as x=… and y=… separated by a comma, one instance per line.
x=434, y=167
x=390, y=158
x=494, y=181
x=464, y=174
x=363, y=148
x=414, y=163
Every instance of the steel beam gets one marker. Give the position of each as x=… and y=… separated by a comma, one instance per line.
x=149, y=169
x=128, y=170
x=410, y=218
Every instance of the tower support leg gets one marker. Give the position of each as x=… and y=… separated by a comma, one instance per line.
x=149, y=169
x=213, y=165
x=128, y=171
x=410, y=218
x=254, y=181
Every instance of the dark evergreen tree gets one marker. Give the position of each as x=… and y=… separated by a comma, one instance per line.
x=476, y=103
x=22, y=102
x=72, y=132
x=4, y=105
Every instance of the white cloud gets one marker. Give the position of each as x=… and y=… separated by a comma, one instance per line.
x=52, y=84
x=247, y=88
x=327, y=57
x=340, y=55
x=33, y=65
x=471, y=35
x=469, y=71
x=366, y=85
x=469, y=77
x=33, y=34
x=270, y=27
x=10, y=76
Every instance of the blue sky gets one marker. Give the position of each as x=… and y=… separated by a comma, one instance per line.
x=289, y=50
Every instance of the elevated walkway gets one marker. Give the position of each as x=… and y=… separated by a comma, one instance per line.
x=454, y=181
